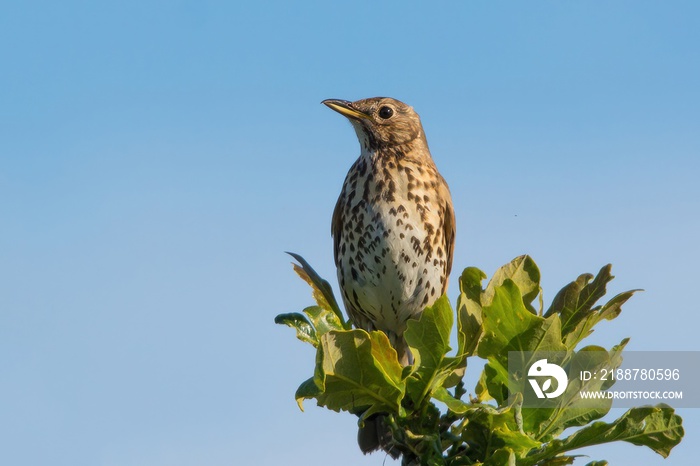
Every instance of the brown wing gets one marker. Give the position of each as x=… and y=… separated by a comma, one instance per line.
x=448, y=227
x=336, y=226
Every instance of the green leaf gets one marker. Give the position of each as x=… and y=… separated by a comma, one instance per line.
x=469, y=312
x=323, y=320
x=544, y=335
x=565, y=302
x=452, y=403
x=656, y=427
x=505, y=427
x=505, y=318
x=305, y=331
x=357, y=371
x=524, y=273
x=558, y=461
x=308, y=389
x=469, y=322
x=511, y=331
x=571, y=410
x=575, y=305
x=509, y=326
x=482, y=390
x=592, y=292
x=576, y=301
x=608, y=311
x=491, y=429
x=322, y=291
x=429, y=341
x=470, y=283
x=501, y=457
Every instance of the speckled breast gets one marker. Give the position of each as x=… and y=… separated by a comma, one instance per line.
x=391, y=251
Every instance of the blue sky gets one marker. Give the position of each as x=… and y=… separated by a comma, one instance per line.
x=157, y=158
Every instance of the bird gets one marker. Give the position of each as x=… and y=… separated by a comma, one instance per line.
x=393, y=226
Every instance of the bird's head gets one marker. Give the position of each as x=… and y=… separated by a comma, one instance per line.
x=380, y=122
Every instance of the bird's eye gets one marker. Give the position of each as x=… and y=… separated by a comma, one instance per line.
x=386, y=112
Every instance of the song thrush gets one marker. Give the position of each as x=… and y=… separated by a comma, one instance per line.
x=393, y=226
x=393, y=229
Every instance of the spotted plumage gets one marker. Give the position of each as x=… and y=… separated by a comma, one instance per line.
x=393, y=232
x=393, y=225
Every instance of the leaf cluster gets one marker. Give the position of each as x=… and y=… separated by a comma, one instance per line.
x=359, y=372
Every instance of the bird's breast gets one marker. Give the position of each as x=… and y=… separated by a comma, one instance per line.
x=392, y=253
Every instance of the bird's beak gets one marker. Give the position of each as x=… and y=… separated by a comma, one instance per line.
x=345, y=108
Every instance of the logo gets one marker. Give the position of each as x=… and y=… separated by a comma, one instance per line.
x=541, y=369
